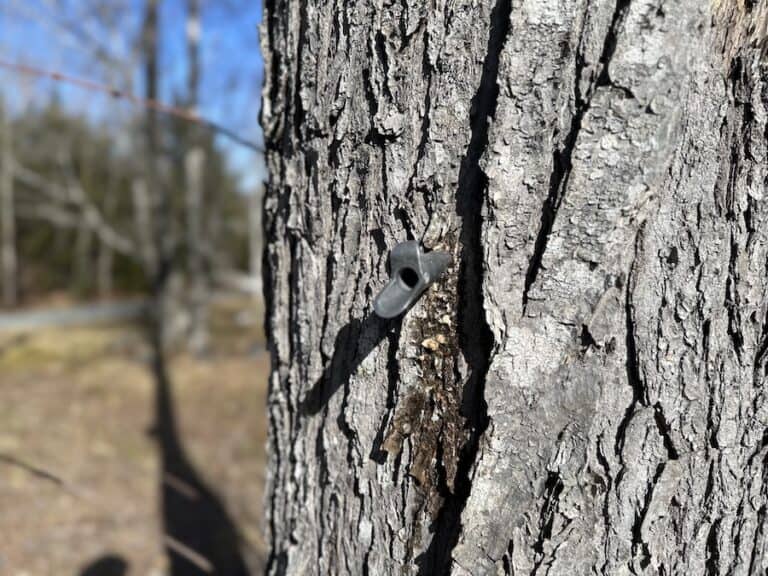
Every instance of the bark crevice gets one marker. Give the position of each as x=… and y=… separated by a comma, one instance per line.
x=553, y=488
x=562, y=158
x=633, y=369
x=475, y=337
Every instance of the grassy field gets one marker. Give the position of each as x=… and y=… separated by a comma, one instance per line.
x=80, y=474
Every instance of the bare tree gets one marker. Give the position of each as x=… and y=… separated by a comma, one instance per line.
x=583, y=392
x=156, y=193
x=144, y=225
x=194, y=166
x=106, y=255
x=7, y=213
x=164, y=291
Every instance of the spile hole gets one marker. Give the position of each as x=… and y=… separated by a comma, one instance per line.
x=409, y=276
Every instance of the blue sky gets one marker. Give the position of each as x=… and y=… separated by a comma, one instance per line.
x=65, y=36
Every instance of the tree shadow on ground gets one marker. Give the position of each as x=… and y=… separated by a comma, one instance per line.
x=200, y=537
x=109, y=565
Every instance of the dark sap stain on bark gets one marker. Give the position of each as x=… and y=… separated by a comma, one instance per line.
x=430, y=414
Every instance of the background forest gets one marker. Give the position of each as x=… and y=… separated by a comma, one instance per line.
x=130, y=207
x=80, y=207
x=101, y=124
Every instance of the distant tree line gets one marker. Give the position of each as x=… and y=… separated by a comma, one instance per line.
x=139, y=204
x=82, y=212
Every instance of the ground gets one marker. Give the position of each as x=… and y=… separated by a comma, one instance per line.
x=79, y=470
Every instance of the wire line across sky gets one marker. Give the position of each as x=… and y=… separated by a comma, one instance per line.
x=160, y=107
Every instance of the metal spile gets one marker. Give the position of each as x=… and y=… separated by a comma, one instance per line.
x=412, y=271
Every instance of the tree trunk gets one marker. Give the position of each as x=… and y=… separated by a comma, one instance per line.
x=7, y=214
x=144, y=225
x=596, y=402
x=82, y=268
x=199, y=296
x=105, y=257
x=163, y=233
x=194, y=172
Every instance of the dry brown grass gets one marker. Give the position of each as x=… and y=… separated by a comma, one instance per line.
x=78, y=471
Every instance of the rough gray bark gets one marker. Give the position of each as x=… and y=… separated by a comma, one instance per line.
x=598, y=171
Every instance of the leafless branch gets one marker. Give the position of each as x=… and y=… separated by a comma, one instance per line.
x=71, y=197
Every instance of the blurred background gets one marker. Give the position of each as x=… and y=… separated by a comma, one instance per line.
x=132, y=361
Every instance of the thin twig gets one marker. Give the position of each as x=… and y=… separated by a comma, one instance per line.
x=32, y=470
x=194, y=557
x=63, y=197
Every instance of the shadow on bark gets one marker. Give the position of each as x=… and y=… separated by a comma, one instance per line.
x=109, y=565
x=200, y=538
x=475, y=335
x=354, y=342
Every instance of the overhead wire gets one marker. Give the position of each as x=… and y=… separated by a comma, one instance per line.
x=118, y=94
